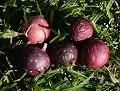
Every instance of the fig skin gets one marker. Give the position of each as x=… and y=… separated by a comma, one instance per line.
x=94, y=54
x=36, y=29
x=63, y=53
x=35, y=61
x=80, y=29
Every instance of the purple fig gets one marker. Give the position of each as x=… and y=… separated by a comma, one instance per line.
x=35, y=60
x=64, y=53
x=94, y=54
x=81, y=29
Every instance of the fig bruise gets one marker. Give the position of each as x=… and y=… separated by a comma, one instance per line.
x=63, y=53
x=35, y=60
x=36, y=29
x=80, y=29
x=94, y=54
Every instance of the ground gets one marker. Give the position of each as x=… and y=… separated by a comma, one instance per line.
x=105, y=17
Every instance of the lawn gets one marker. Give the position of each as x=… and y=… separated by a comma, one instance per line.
x=105, y=17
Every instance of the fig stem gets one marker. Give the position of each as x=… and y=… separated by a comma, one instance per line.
x=27, y=43
x=44, y=47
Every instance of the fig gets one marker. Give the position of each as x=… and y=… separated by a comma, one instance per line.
x=35, y=61
x=36, y=29
x=63, y=53
x=80, y=29
x=94, y=54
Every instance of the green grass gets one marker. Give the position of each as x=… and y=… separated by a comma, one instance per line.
x=105, y=16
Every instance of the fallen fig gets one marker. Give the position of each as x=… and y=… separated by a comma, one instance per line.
x=94, y=54
x=63, y=53
x=80, y=29
x=36, y=29
x=35, y=60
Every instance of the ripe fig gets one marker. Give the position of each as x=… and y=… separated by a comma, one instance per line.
x=81, y=29
x=63, y=53
x=94, y=54
x=36, y=29
x=35, y=61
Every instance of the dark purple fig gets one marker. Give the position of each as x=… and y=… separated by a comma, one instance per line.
x=35, y=60
x=64, y=53
x=36, y=29
x=94, y=54
x=81, y=29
